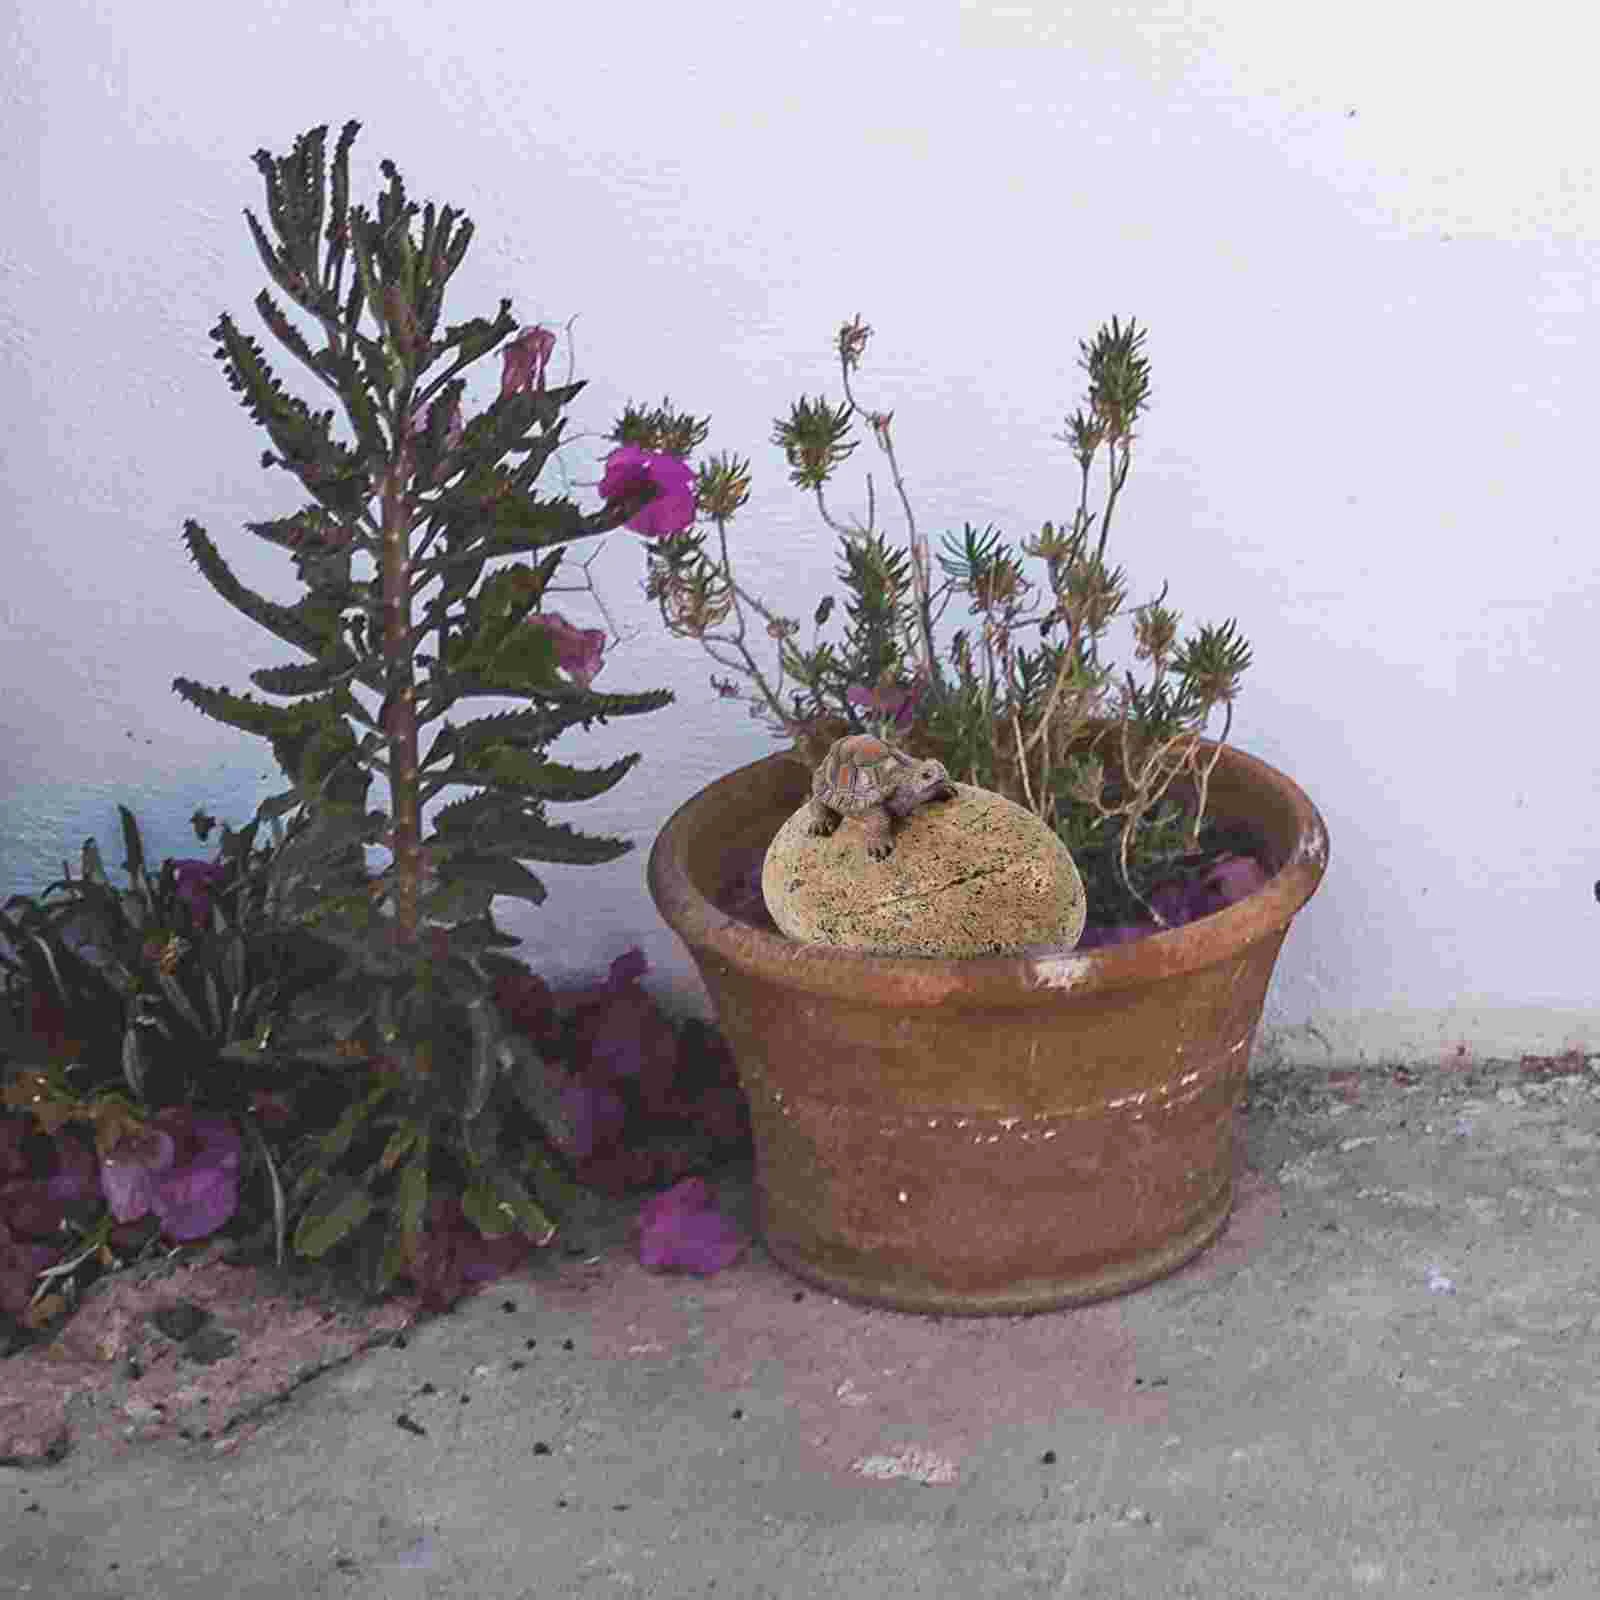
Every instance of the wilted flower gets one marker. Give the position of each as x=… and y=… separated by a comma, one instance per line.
x=578, y=650
x=453, y=428
x=195, y=880
x=630, y=469
x=525, y=358
x=896, y=702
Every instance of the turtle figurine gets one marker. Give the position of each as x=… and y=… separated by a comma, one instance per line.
x=865, y=778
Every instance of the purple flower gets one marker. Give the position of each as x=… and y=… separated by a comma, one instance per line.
x=524, y=361
x=597, y=1115
x=896, y=701
x=1097, y=938
x=195, y=881
x=30, y=1208
x=1235, y=878
x=578, y=650
x=682, y=1228
x=183, y=1168
x=631, y=469
x=130, y=1172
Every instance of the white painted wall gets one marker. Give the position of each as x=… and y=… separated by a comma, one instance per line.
x=1363, y=239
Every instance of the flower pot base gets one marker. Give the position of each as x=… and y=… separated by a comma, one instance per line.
x=968, y=1213
x=1023, y=1296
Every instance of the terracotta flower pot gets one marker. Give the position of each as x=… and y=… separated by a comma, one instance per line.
x=1000, y=1134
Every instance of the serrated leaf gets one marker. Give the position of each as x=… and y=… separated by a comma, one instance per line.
x=339, y=1209
x=529, y=774
x=313, y=677
x=499, y=876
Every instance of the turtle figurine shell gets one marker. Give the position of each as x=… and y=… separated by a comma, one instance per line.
x=865, y=778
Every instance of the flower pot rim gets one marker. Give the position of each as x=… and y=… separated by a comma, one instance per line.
x=1032, y=976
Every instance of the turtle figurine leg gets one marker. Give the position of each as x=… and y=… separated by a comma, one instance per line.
x=878, y=826
x=824, y=819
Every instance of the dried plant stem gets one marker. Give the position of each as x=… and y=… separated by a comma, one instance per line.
x=921, y=566
x=1022, y=760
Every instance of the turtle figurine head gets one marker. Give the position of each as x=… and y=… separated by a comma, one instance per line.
x=865, y=778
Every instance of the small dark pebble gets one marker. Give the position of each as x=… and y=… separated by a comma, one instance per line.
x=562, y=1504
x=508, y=1305
x=403, y=1421
x=797, y=1296
x=621, y=1505
x=566, y=1344
x=738, y=1413
x=344, y=1564
x=181, y=1320
x=114, y=1565
x=528, y=1344
x=427, y=1388
x=400, y=1341
x=209, y=1345
x=35, y=1506
x=517, y=1366
x=1048, y=1458
x=465, y=1398
x=540, y=1448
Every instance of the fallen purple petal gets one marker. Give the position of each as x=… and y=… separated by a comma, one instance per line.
x=682, y=1229
x=628, y=967
x=1237, y=878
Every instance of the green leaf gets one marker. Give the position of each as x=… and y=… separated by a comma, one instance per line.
x=341, y=1206
x=134, y=865
x=93, y=868
x=549, y=1179
x=411, y=1194
x=529, y=774
x=180, y=1002
x=294, y=625
x=500, y=875
x=306, y=677
x=485, y=1210
x=530, y=1217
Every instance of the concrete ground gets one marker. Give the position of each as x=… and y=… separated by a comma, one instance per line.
x=1382, y=1380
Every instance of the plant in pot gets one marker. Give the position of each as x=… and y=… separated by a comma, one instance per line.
x=1023, y=1131
x=447, y=1100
